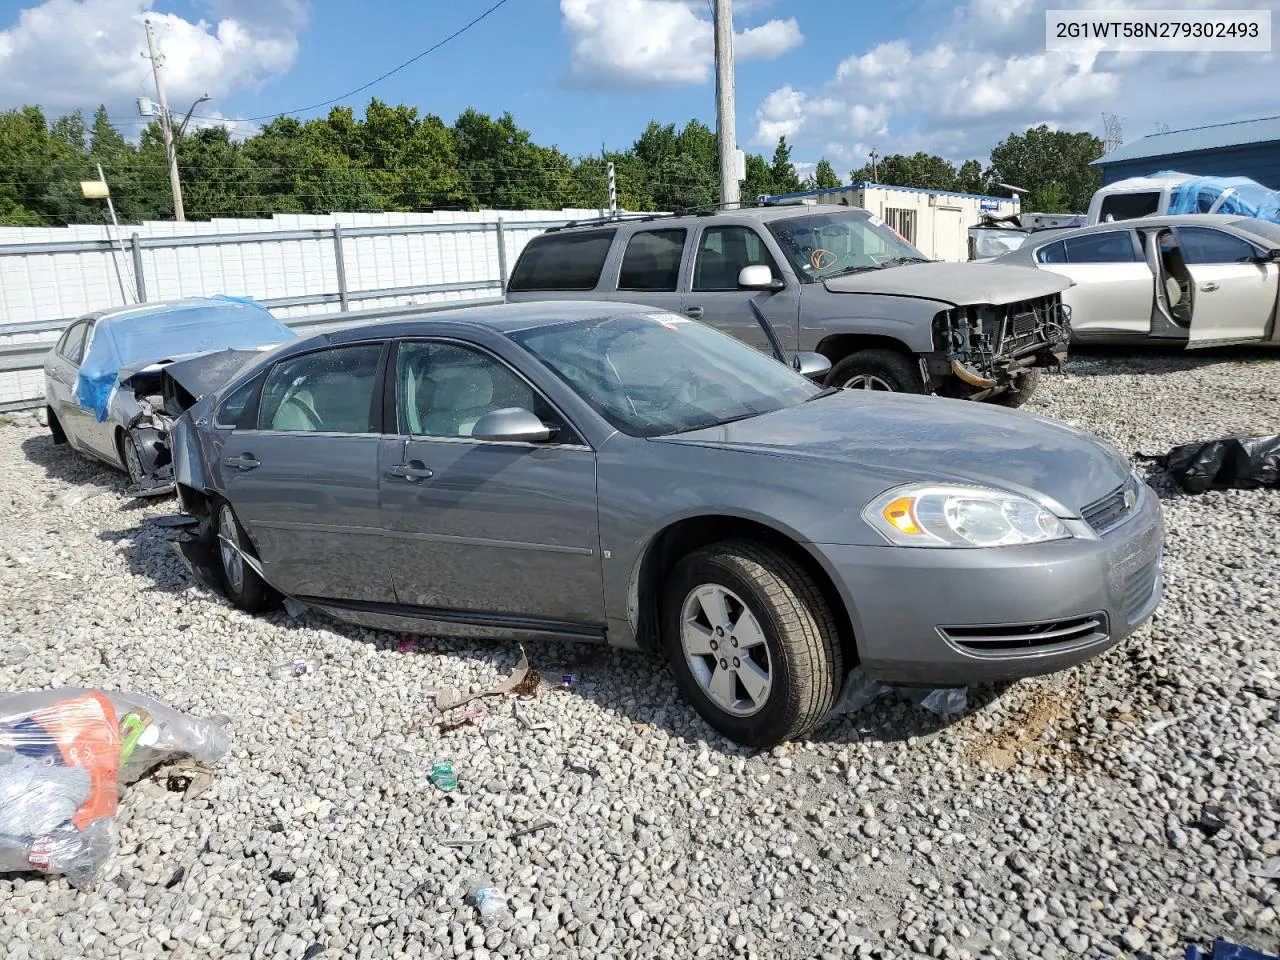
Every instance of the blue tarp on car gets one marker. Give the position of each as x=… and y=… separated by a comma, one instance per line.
x=166, y=332
x=1231, y=195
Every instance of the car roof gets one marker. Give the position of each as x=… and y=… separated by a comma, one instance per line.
x=1040, y=238
x=765, y=213
x=502, y=318
x=156, y=306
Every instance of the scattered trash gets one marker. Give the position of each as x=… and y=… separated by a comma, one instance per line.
x=176, y=878
x=533, y=828
x=176, y=521
x=79, y=495
x=293, y=609
x=1222, y=950
x=282, y=876
x=463, y=842
x=313, y=951
x=468, y=717
x=293, y=668
x=566, y=681
x=489, y=900
x=442, y=776
x=859, y=692
x=313, y=807
x=1212, y=819
x=945, y=701
x=187, y=777
x=588, y=771
x=1270, y=870
x=449, y=698
x=1243, y=463
x=63, y=756
x=525, y=721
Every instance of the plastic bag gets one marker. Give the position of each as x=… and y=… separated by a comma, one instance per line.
x=64, y=754
x=1245, y=463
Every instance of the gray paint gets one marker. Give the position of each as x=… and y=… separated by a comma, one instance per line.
x=952, y=284
x=514, y=541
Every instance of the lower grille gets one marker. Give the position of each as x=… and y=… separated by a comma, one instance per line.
x=1137, y=588
x=1015, y=637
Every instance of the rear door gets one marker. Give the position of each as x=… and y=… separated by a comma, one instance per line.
x=1233, y=296
x=719, y=253
x=1114, y=286
x=304, y=478
x=649, y=271
x=60, y=378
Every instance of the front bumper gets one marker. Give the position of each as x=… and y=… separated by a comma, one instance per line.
x=952, y=617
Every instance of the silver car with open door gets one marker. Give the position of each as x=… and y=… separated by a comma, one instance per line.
x=1202, y=280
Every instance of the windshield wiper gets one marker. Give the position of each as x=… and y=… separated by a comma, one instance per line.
x=824, y=392
x=861, y=268
x=897, y=260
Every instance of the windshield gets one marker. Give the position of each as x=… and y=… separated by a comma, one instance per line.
x=149, y=337
x=828, y=244
x=652, y=374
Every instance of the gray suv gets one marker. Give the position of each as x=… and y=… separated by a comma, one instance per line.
x=830, y=279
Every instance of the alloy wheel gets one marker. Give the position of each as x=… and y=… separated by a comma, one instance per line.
x=868, y=381
x=726, y=650
x=229, y=549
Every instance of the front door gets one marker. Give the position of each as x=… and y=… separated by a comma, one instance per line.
x=480, y=527
x=304, y=481
x=714, y=296
x=1233, y=295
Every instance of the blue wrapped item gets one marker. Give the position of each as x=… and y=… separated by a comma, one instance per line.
x=1236, y=196
x=1227, y=951
x=165, y=332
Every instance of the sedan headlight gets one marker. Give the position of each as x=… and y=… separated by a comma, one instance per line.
x=956, y=515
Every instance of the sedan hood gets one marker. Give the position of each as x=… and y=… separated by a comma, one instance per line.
x=956, y=284
x=907, y=438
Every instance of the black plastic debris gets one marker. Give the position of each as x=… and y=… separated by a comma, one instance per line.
x=1222, y=950
x=1243, y=463
x=1212, y=819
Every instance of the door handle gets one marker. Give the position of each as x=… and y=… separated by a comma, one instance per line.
x=693, y=313
x=413, y=472
x=1208, y=287
x=243, y=462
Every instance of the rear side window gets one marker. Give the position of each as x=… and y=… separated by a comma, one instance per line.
x=73, y=346
x=1202, y=245
x=329, y=391
x=1053, y=253
x=1113, y=247
x=652, y=261
x=562, y=261
x=1126, y=206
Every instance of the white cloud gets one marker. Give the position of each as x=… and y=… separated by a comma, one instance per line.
x=985, y=72
x=650, y=43
x=69, y=54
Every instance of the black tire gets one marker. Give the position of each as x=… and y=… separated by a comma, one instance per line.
x=55, y=427
x=806, y=662
x=248, y=591
x=132, y=461
x=1024, y=387
x=886, y=369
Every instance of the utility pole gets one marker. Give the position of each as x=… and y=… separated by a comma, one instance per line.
x=166, y=124
x=726, y=127
x=613, y=192
x=873, y=163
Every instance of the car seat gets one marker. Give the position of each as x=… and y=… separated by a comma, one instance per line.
x=458, y=397
x=297, y=414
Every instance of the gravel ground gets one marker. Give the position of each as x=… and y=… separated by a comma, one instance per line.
x=1121, y=809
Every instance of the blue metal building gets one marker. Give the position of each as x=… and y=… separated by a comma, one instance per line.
x=1247, y=148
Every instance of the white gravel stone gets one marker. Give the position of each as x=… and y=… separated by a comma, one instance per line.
x=1059, y=817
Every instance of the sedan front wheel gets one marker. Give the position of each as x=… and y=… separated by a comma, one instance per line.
x=244, y=587
x=752, y=642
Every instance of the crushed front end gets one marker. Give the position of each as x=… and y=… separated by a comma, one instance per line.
x=982, y=348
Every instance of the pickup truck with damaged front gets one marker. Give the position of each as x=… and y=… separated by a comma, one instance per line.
x=830, y=279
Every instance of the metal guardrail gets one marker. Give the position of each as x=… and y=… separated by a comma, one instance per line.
x=29, y=356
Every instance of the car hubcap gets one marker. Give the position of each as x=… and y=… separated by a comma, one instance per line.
x=726, y=650
x=868, y=381
x=229, y=547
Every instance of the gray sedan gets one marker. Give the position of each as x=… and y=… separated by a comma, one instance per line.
x=617, y=473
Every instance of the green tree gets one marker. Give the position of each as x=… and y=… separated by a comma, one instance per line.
x=759, y=181
x=1053, y=164
x=923, y=170
x=783, y=171
x=824, y=176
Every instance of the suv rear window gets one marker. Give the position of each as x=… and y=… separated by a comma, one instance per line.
x=568, y=261
x=1127, y=206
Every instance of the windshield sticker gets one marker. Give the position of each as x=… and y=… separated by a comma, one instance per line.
x=668, y=320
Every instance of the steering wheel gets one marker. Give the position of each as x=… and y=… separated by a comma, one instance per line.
x=821, y=258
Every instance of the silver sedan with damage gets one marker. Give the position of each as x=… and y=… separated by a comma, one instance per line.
x=617, y=473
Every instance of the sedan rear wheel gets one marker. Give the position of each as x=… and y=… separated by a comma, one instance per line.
x=244, y=587
x=752, y=642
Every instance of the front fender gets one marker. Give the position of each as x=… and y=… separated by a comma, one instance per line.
x=906, y=320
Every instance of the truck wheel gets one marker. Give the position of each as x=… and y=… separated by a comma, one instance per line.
x=752, y=642
x=877, y=369
x=1024, y=386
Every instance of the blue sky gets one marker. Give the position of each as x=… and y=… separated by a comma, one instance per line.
x=837, y=77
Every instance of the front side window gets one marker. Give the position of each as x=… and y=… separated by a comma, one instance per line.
x=1115, y=246
x=442, y=389
x=828, y=244
x=1201, y=245
x=562, y=261
x=329, y=391
x=723, y=252
x=652, y=261
x=660, y=373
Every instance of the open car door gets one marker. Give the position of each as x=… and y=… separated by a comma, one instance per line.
x=1233, y=290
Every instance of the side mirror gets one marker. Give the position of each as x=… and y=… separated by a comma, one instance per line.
x=811, y=365
x=1273, y=254
x=513, y=425
x=758, y=277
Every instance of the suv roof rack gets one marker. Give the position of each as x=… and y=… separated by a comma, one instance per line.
x=698, y=211
x=619, y=218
